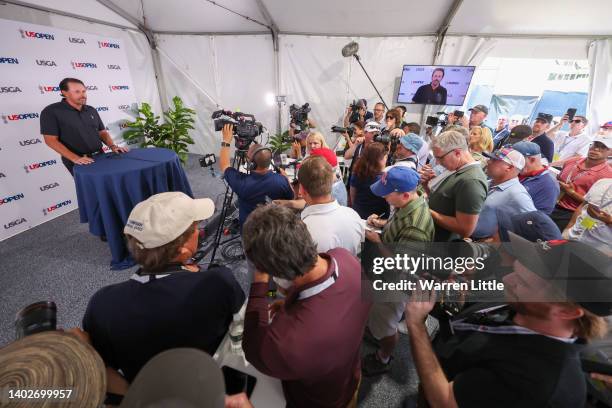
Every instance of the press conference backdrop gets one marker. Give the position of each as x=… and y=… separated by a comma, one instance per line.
x=34, y=185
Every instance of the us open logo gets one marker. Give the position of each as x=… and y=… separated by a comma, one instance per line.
x=15, y=223
x=106, y=44
x=30, y=142
x=19, y=116
x=8, y=60
x=102, y=108
x=115, y=88
x=35, y=166
x=56, y=207
x=34, y=35
x=46, y=63
x=9, y=199
x=46, y=89
x=10, y=89
x=83, y=65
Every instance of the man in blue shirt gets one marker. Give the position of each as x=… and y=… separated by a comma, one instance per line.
x=539, y=182
x=506, y=194
x=252, y=189
x=502, y=131
x=540, y=126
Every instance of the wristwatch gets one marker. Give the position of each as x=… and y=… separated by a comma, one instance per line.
x=225, y=144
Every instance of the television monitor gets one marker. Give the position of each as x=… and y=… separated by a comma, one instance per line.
x=435, y=84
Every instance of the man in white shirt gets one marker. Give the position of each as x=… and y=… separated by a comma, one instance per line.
x=574, y=143
x=330, y=224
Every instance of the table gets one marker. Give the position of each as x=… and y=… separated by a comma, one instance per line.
x=108, y=189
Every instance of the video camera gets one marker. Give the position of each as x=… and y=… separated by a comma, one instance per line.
x=355, y=106
x=442, y=119
x=35, y=318
x=299, y=116
x=338, y=129
x=246, y=128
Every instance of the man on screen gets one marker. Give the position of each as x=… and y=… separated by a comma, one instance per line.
x=432, y=93
x=74, y=129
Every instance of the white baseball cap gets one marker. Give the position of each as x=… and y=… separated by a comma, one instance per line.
x=508, y=155
x=162, y=218
x=607, y=140
x=372, y=127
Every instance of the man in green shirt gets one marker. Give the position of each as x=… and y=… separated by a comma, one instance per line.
x=411, y=222
x=458, y=194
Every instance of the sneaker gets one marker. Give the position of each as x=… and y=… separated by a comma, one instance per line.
x=371, y=365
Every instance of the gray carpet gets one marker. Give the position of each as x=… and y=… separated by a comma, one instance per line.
x=61, y=261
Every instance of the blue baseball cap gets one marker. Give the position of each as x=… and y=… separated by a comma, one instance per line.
x=527, y=149
x=398, y=179
x=533, y=226
x=412, y=142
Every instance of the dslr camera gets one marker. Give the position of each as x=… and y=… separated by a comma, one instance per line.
x=299, y=116
x=442, y=119
x=246, y=128
x=338, y=129
x=355, y=106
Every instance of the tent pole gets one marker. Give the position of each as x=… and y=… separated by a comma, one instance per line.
x=161, y=88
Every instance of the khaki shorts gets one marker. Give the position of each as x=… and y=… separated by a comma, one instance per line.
x=384, y=318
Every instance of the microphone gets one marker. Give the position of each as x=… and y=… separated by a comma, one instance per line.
x=350, y=49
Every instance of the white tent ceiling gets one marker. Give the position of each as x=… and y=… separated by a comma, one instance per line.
x=352, y=17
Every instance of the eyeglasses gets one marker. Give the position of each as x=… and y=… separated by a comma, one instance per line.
x=438, y=158
x=576, y=121
x=389, y=118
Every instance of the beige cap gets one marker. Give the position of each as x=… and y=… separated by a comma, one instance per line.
x=162, y=218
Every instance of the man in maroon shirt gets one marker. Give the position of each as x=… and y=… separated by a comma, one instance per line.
x=312, y=343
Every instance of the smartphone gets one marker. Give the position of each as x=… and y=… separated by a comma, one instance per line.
x=236, y=381
x=570, y=114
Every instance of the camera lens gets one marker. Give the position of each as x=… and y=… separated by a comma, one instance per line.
x=35, y=318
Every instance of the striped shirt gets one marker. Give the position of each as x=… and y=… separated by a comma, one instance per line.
x=410, y=223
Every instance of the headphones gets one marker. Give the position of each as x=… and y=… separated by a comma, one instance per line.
x=252, y=164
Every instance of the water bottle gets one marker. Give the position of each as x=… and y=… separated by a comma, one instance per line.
x=235, y=333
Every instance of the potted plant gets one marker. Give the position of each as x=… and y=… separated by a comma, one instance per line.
x=173, y=134
x=280, y=143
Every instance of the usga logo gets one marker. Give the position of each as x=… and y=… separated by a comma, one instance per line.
x=44, y=89
x=35, y=166
x=91, y=88
x=30, y=142
x=15, y=223
x=123, y=107
x=9, y=89
x=2, y=175
x=102, y=108
x=76, y=40
x=19, y=116
x=76, y=65
x=34, y=34
x=56, y=207
x=49, y=186
x=8, y=199
x=118, y=87
x=8, y=60
x=106, y=44
x=113, y=67
x=47, y=63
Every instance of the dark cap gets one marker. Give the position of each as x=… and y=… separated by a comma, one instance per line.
x=520, y=132
x=545, y=117
x=533, y=226
x=180, y=377
x=579, y=272
x=528, y=149
x=480, y=108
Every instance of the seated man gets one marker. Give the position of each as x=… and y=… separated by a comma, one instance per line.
x=506, y=194
x=168, y=302
x=577, y=177
x=312, y=342
x=253, y=188
x=536, y=178
x=330, y=224
x=411, y=222
x=523, y=354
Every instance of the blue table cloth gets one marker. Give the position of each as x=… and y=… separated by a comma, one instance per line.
x=109, y=188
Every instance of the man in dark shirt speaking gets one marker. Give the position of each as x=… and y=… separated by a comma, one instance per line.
x=74, y=129
x=432, y=93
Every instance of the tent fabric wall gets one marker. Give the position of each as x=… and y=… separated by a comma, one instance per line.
x=313, y=70
x=219, y=72
x=600, y=83
x=137, y=47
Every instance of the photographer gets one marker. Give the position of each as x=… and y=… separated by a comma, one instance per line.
x=252, y=189
x=357, y=133
x=407, y=150
x=357, y=111
x=523, y=354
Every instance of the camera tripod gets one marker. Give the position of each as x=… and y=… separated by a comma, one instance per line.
x=237, y=162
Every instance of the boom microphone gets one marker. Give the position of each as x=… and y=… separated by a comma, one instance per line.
x=350, y=49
